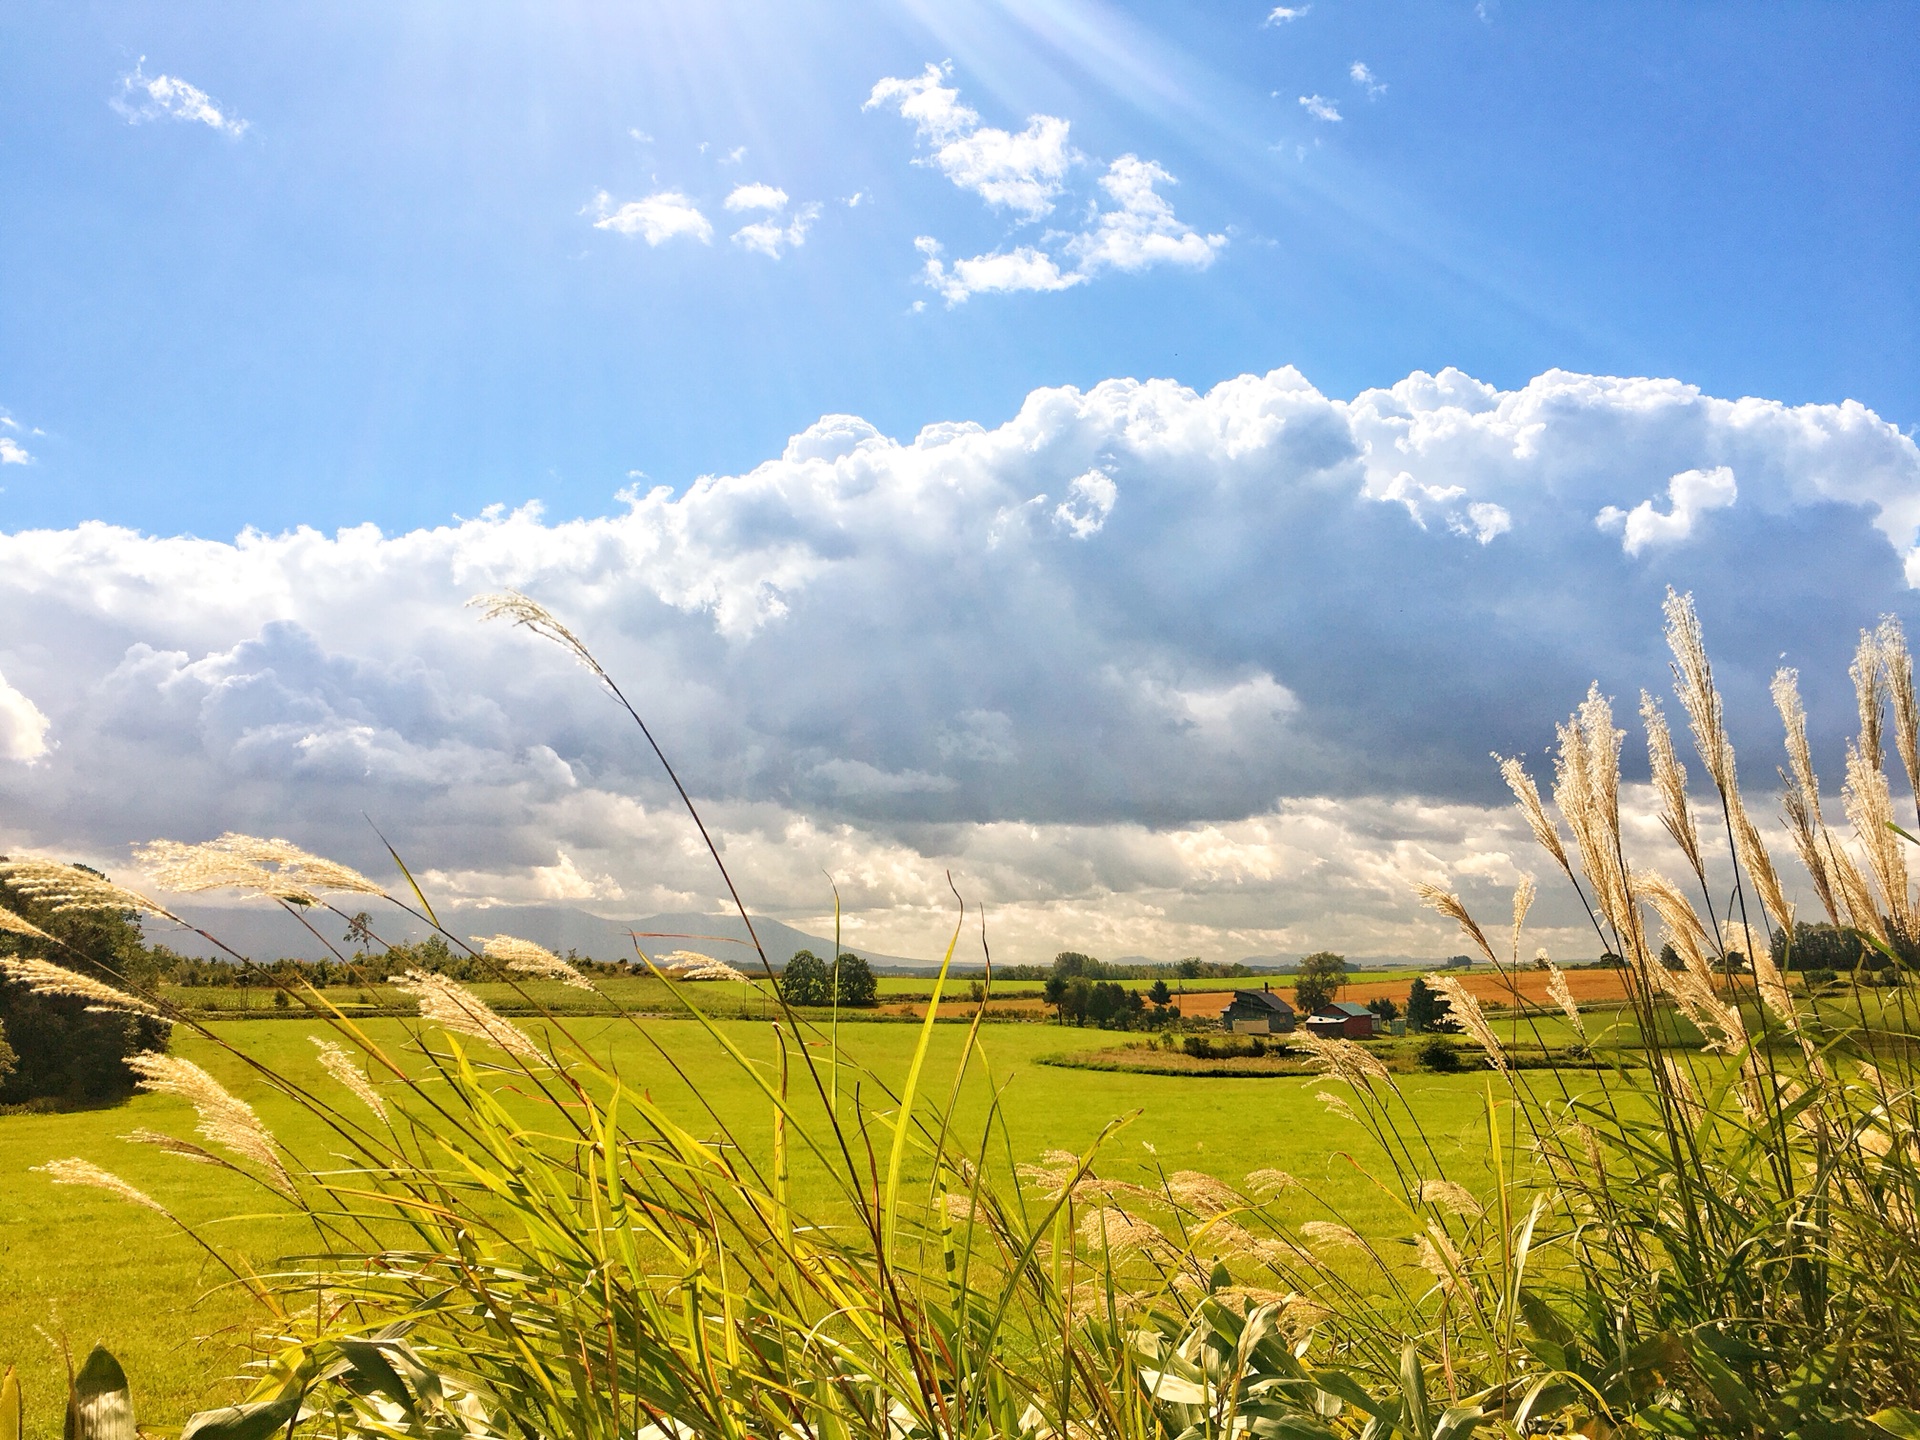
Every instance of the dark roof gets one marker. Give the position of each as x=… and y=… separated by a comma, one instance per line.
x=1344, y=1008
x=1260, y=997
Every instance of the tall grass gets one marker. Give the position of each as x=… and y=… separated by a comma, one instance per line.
x=507, y=1238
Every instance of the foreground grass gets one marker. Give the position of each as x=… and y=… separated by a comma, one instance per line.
x=85, y=1265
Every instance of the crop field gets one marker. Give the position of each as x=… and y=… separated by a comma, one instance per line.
x=134, y=1282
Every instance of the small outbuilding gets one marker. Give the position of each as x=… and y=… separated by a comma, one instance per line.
x=1344, y=1019
x=1258, y=1012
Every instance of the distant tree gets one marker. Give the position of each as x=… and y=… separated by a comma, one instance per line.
x=977, y=991
x=1069, y=963
x=853, y=979
x=1107, y=1003
x=62, y=1050
x=1612, y=961
x=7, y=1058
x=1819, y=947
x=1189, y=968
x=804, y=981
x=1322, y=976
x=1384, y=1008
x=360, y=931
x=1160, y=995
x=1428, y=1009
x=1055, y=994
x=1459, y=962
x=1670, y=958
x=1077, y=1002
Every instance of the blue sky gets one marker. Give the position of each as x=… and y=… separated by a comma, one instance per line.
x=383, y=302
x=1138, y=460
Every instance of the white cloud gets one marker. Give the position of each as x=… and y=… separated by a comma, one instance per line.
x=1320, y=108
x=1690, y=494
x=642, y=136
x=144, y=97
x=657, y=218
x=1367, y=80
x=1001, y=272
x=772, y=238
x=1023, y=172
x=1141, y=230
x=853, y=201
x=12, y=452
x=757, y=197
x=23, y=729
x=1282, y=14
x=1151, y=671
x=734, y=156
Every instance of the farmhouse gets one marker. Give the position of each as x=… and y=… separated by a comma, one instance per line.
x=1343, y=1018
x=1258, y=1012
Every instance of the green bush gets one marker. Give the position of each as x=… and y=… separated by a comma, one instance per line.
x=1438, y=1055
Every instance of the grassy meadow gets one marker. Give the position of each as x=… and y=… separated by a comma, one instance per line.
x=82, y=1263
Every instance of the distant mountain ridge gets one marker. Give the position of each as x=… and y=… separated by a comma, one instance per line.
x=265, y=933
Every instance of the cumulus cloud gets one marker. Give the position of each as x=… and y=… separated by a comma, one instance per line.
x=23, y=729
x=1150, y=670
x=142, y=97
x=12, y=452
x=1366, y=80
x=1026, y=173
x=757, y=197
x=1690, y=494
x=1282, y=14
x=1020, y=171
x=657, y=218
x=1320, y=108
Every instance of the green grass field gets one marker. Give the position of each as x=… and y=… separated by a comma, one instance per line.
x=80, y=1263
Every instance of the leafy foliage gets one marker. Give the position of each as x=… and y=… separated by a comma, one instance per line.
x=1322, y=976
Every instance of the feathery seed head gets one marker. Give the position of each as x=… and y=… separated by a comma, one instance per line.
x=523, y=957
x=1448, y=904
x=1562, y=995
x=225, y=1118
x=1670, y=781
x=340, y=1065
x=1523, y=897
x=1271, y=1182
x=452, y=1006
x=13, y=924
x=277, y=869
x=73, y=888
x=1693, y=682
x=43, y=977
x=1897, y=661
x=1465, y=1008
x=1331, y=1235
x=85, y=1172
x=1450, y=1196
x=1343, y=1059
x=1868, y=673
x=1527, y=795
x=523, y=610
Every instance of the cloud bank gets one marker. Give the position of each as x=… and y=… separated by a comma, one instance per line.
x=1150, y=670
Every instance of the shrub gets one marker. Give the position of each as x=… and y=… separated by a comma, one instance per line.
x=1439, y=1055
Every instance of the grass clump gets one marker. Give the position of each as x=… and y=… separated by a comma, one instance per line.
x=509, y=1237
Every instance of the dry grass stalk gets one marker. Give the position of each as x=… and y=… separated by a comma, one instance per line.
x=1112, y=1230
x=1331, y=1235
x=1587, y=790
x=1562, y=995
x=277, y=869
x=66, y=888
x=341, y=1066
x=1343, y=1059
x=85, y=1172
x=174, y=1145
x=1870, y=807
x=1450, y=1196
x=1523, y=898
x=1803, y=828
x=14, y=924
x=453, y=1007
x=1693, y=683
x=523, y=957
x=1869, y=692
x=523, y=610
x=225, y=1118
x=1336, y=1105
x=1440, y=1258
x=1898, y=664
x=1448, y=904
x=1203, y=1194
x=1465, y=1008
x=1527, y=794
x=1270, y=1182
x=43, y=977
x=1670, y=782
x=1752, y=853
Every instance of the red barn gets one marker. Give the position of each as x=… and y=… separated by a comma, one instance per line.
x=1343, y=1018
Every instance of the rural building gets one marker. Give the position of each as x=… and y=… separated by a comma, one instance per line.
x=1343, y=1018
x=1258, y=1012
